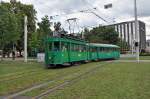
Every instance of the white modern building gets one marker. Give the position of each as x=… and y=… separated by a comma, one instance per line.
x=127, y=33
x=148, y=45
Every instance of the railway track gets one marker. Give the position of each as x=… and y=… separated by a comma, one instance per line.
x=47, y=76
x=68, y=82
x=61, y=85
x=14, y=74
x=17, y=75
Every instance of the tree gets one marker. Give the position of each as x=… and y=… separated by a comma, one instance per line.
x=44, y=27
x=19, y=10
x=43, y=31
x=34, y=43
x=86, y=32
x=124, y=46
x=57, y=26
x=102, y=34
x=110, y=35
x=9, y=31
x=58, y=30
x=25, y=10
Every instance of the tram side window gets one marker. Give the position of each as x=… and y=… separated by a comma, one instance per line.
x=76, y=47
x=50, y=46
x=80, y=48
x=104, y=49
x=90, y=49
x=101, y=49
x=64, y=46
x=56, y=46
x=114, y=49
x=72, y=47
x=97, y=50
x=84, y=48
x=117, y=49
x=94, y=49
x=109, y=49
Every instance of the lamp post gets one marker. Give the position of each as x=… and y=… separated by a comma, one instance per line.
x=25, y=39
x=90, y=11
x=136, y=31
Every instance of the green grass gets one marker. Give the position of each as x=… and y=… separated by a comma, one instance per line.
x=16, y=76
x=112, y=81
x=134, y=58
x=145, y=57
x=115, y=81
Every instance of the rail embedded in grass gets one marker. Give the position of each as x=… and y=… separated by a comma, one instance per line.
x=38, y=86
x=69, y=81
x=18, y=75
x=44, y=75
x=116, y=81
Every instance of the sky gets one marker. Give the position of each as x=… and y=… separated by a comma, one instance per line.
x=122, y=10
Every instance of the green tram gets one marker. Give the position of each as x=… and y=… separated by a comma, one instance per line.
x=60, y=51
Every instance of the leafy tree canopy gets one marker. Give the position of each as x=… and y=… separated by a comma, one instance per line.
x=102, y=34
x=9, y=27
x=12, y=23
x=43, y=31
x=44, y=27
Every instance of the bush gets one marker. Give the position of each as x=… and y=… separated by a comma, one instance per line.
x=145, y=54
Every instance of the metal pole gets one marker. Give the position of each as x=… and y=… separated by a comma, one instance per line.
x=132, y=46
x=25, y=39
x=136, y=30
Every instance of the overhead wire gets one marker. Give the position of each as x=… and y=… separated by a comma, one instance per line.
x=57, y=15
x=97, y=9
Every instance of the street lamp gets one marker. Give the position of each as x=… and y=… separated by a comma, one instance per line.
x=25, y=39
x=136, y=31
x=90, y=11
x=107, y=6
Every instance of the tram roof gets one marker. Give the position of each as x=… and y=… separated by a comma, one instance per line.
x=80, y=41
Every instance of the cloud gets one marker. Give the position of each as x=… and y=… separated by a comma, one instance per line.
x=122, y=10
